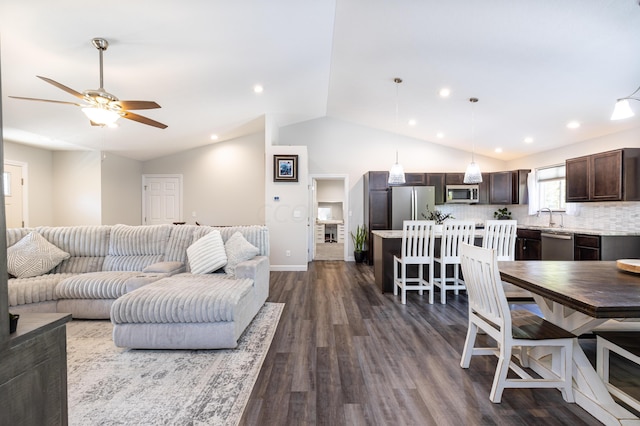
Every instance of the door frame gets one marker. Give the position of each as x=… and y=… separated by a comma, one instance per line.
x=313, y=178
x=161, y=175
x=25, y=188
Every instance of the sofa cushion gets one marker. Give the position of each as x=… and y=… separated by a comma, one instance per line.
x=100, y=285
x=184, y=298
x=132, y=248
x=207, y=254
x=87, y=245
x=23, y=291
x=238, y=250
x=33, y=255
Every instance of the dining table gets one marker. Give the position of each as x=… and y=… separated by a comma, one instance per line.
x=580, y=296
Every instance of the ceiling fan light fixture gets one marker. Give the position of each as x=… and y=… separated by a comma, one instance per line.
x=101, y=116
x=622, y=110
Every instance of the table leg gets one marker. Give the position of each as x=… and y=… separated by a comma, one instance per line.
x=590, y=392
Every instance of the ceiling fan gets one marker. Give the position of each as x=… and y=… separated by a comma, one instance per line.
x=101, y=107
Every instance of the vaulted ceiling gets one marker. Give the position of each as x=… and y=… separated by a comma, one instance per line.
x=534, y=65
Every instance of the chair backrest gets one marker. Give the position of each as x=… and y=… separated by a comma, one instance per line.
x=484, y=286
x=417, y=239
x=500, y=235
x=454, y=234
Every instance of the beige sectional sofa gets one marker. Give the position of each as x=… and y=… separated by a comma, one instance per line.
x=101, y=264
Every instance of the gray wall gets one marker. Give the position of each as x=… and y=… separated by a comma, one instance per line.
x=121, y=184
x=223, y=183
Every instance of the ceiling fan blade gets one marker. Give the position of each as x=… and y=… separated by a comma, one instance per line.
x=128, y=105
x=143, y=120
x=45, y=100
x=63, y=87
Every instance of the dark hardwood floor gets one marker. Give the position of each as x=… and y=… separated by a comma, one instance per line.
x=346, y=354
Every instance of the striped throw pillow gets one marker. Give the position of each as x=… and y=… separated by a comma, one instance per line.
x=33, y=255
x=207, y=254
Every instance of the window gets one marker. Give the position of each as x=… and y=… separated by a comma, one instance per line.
x=552, y=187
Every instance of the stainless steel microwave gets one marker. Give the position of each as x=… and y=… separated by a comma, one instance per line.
x=462, y=194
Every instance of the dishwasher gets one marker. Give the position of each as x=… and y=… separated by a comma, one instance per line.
x=557, y=245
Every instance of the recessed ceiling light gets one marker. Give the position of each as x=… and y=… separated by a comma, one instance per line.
x=214, y=137
x=498, y=150
x=412, y=122
x=444, y=92
x=258, y=88
x=528, y=139
x=440, y=135
x=573, y=124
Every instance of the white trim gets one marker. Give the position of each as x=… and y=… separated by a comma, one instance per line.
x=345, y=213
x=152, y=175
x=25, y=189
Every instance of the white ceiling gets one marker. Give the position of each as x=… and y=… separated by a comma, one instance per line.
x=534, y=65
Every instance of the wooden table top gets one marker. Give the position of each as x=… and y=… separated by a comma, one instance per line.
x=596, y=288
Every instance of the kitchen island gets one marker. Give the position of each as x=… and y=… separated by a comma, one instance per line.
x=386, y=244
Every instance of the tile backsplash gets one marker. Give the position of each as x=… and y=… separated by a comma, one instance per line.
x=610, y=216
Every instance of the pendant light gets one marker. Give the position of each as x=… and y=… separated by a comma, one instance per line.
x=473, y=175
x=622, y=108
x=396, y=174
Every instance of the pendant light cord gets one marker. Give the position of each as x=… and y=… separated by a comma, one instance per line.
x=473, y=128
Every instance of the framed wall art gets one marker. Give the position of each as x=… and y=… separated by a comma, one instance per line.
x=285, y=168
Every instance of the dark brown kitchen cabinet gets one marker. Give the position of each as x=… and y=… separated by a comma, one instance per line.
x=606, y=176
x=437, y=180
x=500, y=188
x=586, y=247
x=415, y=178
x=454, y=178
x=376, y=205
x=508, y=187
x=484, y=188
x=528, y=244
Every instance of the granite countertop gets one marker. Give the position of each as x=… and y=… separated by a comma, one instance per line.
x=601, y=232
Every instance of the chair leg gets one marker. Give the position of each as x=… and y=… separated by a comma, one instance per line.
x=469, y=342
x=456, y=279
x=421, y=279
x=395, y=277
x=404, y=284
x=443, y=283
x=501, y=374
x=431, y=285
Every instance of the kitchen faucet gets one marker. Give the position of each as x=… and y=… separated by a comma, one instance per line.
x=551, y=222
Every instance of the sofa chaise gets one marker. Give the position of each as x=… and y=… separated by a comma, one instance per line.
x=170, y=278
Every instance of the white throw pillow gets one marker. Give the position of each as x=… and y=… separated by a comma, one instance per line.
x=207, y=254
x=238, y=250
x=33, y=255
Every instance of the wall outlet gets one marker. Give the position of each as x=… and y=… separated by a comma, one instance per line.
x=287, y=253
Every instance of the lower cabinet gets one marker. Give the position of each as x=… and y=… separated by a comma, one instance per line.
x=528, y=244
x=586, y=247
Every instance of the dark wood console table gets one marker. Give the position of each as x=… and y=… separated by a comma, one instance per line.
x=33, y=371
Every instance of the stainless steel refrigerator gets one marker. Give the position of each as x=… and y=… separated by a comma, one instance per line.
x=410, y=203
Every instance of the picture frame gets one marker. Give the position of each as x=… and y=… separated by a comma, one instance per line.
x=285, y=168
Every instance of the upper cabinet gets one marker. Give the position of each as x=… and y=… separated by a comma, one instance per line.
x=508, y=187
x=607, y=176
x=437, y=180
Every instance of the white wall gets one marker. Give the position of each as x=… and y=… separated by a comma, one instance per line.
x=77, y=188
x=121, y=182
x=330, y=190
x=223, y=183
x=40, y=181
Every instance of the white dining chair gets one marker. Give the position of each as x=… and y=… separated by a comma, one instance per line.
x=501, y=235
x=454, y=234
x=512, y=330
x=417, y=249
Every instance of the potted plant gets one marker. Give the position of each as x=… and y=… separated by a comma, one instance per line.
x=438, y=217
x=502, y=214
x=13, y=322
x=359, y=240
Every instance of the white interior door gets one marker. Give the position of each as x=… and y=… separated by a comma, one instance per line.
x=162, y=201
x=14, y=197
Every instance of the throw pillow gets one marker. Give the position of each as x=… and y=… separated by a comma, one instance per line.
x=238, y=250
x=207, y=254
x=33, y=255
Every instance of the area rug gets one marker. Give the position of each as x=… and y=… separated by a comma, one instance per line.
x=114, y=386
